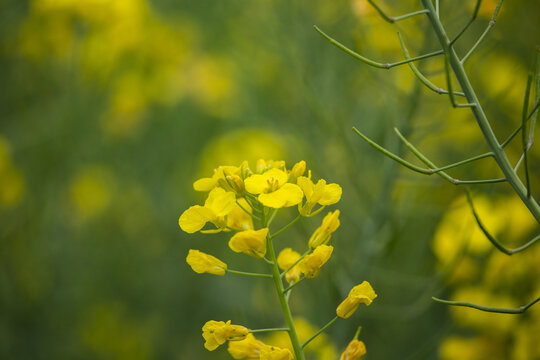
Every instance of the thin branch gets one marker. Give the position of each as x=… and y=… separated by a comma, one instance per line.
x=514, y=133
x=471, y=20
x=524, y=132
x=392, y=19
x=519, y=310
x=441, y=173
x=449, y=83
x=285, y=227
x=491, y=238
x=248, y=273
x=268, y=330
x=490, y=25
x=371, y=62
x=419, y=75
x=320, y=331
x=295, y=263
x=391, y=155
x=290, y=287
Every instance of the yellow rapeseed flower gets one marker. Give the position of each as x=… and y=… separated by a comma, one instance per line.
x=320, y=193
x=354, y=351
x=273, y=189
x=322, y=234
x=203, y=263
x=311, y=265
x=359, y=294
x=249, y=348
x=216, y=333
x=297, y=170
x=250, y=242
x=275, y=353
x=285, y=259
x=218, y=204
x=228, y=177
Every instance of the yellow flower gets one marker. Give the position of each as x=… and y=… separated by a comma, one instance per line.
x=218, y=204
x=275, y=353
x=250, y=242
x=311, y=265
x=249, y=348
x=273, y=189
x=354, y=351
x=285, y=259
x=298, y=170
x=362, y=293
x=263, y=165
x=203, y=263
x=217, y=332
x=320, y=193
x=207, y=184
x=323, y=233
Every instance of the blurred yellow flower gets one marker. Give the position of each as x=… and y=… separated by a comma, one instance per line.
x=360, y=294
x=354, y=351
x=12, y=184
x=91, y=191
x=218, y=204
x=249, y=348
x=323, y=233
x=275, y=353
x=320, y=193
x=204, y=263
x=216, y=333
x=250, y=242
x=311, y=265
x=286, y=258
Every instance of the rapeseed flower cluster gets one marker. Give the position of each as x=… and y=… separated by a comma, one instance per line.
x=244, y=201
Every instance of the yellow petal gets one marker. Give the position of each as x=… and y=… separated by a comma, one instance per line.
x=249, y=348
x=204, y=263
x=250, y=242
x=354, y=351
x=255, y=184
x=194, y=218
x=287, y=195
x=312, y=263
x=238, y=218
x=205, y=184
x=347, y=308
x=286, y=258
x=331, y=194
x=364, y=293
x=221, y=202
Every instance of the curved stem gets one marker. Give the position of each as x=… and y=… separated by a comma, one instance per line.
x=290, y=287
x=519, y=310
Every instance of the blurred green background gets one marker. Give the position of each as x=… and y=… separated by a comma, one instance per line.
x=111, y=109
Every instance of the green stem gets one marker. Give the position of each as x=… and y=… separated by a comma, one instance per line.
x=320, y=331
x=471, y=20
x=478, y=111
x=247, y=212
x=248, y=273
x=518, y=310
x=491, y=238
x=392, y=19
x=371, y=62
x=268, y=330
x=490, y=25
x=421, y=76
x=298, y=352
x=285, y=227
x=290, y=287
